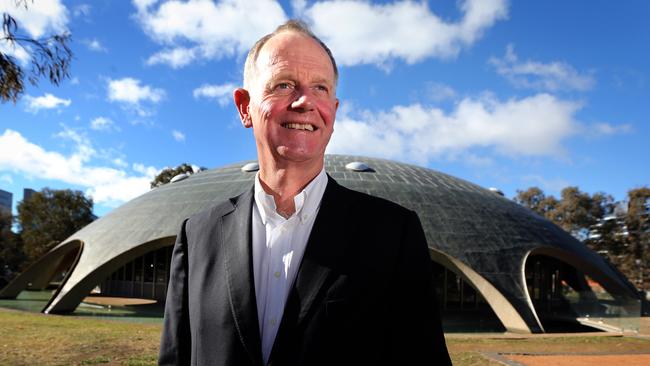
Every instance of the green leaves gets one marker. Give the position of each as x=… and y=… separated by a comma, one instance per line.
x=50, y=216
x=50, y=57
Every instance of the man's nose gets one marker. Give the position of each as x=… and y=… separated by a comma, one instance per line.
x=304, y=101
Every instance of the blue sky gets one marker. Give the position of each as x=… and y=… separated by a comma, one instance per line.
x=504, y=94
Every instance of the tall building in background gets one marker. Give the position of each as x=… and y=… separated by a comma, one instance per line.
x=28, y=192
x=6, y=200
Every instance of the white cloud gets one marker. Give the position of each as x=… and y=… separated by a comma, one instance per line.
x=221, y=93
x=15, y=50
x=47, y=101
x=176, y=57
x=552, y=76
x=119, y=162
x=6, y=178
x=81, y=10
x=103, y=124
x=298, y=7
x=39, y=18
x=605, y=129
x=128, y=90
x=359, y=32
x=47, y=16
x=439, y=92
x=108, y=186
x=145, y=170
x=200, y=29
x=95, y=45
x=131, y=94
x=532, y=126
x=551, y=185
x=35, y=20
x=83, y=148
x=476, y=160
x=143, y=5
x=178, y=136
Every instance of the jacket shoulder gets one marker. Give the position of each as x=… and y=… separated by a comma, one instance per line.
x=219, y=209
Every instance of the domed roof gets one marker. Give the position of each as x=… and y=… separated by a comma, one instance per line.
x=471, y=226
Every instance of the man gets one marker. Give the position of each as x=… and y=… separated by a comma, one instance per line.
x=299, y=270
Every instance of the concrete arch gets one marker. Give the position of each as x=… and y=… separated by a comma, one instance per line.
x=606, y=276
x=39, y=273
x=504, y=310
x=88, y=274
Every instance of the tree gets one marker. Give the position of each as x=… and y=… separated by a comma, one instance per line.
x=535, y=199
x=49, y=217
x=621, y=235
x=531, y=198
x=602, y=205
x=11, y=250
x=637, y=221
x=166, y=175
x=49, y=57
x=577, y=211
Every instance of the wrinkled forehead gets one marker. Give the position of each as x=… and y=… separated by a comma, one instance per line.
x=295, y=49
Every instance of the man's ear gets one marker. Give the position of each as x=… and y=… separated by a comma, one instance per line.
x=242, y=101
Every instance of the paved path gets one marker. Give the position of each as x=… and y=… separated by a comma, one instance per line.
x=575, y=359
x=117, y=301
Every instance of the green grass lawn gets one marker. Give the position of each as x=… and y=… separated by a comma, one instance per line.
x=467, y=351
x=37, y=339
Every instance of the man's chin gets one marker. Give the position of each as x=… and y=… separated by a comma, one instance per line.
x=290, y=155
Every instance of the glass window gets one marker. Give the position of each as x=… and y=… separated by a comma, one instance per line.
x=453, y=290
x=148, y=267
x=128, y=274
x=469, y=296
x=161, y=268
x=138, y=269
x=120, y=274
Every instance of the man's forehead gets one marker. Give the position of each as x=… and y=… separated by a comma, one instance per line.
x=290, y=45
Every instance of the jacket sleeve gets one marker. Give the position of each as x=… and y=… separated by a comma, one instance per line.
x=416, y=330
x=176, y=340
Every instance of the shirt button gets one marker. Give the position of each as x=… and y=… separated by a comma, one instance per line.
x=272, y=321
x=277, y=274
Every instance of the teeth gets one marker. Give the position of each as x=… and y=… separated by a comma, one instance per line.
x=299, y=126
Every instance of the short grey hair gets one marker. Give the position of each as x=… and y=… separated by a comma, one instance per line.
x=291, y=25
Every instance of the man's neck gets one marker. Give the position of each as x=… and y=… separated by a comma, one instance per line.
x=284, y=183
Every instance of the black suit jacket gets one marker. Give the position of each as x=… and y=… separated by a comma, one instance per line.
x=362, y=296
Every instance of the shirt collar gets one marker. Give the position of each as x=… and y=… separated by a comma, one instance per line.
x=306, y=202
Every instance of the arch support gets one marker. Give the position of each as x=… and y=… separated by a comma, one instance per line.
x=574, y=290
x=88, y=274
x=504, y=310
x=39, y=273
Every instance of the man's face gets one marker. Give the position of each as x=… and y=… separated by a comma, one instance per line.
x=292, y=99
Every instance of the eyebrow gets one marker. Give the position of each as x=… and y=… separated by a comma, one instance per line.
x=316, y=79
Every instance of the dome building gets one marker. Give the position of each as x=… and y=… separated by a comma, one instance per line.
x=497, y=265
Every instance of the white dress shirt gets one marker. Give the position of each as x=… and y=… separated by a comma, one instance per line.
x=278, y=246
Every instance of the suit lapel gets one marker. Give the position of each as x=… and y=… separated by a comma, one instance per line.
x=325, y=248
x=238, y=258
x=325, y=251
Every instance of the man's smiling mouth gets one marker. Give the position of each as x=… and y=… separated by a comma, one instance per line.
x=299, y=126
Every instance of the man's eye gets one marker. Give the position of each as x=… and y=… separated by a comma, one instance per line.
x=283, y=86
